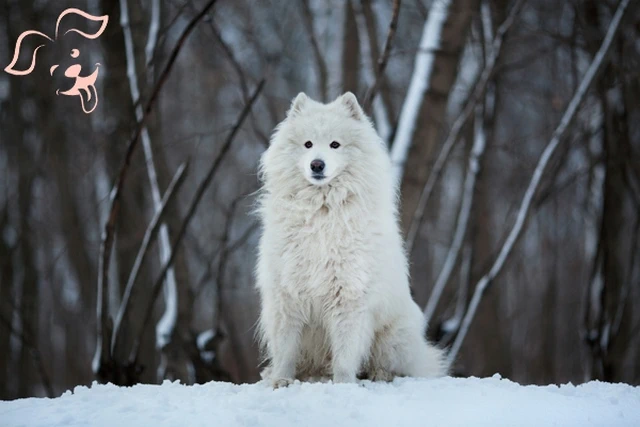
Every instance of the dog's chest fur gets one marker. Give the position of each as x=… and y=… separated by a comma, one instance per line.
x=323, y=243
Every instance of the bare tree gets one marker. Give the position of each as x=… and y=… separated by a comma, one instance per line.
x=434, y=72
x=458, y=124
x=103, y=365
x=556, y=139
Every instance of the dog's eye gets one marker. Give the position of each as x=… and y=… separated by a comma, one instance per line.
x=334, y=144
x=308, y=144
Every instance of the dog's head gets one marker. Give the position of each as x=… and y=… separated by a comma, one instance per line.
x=321, y=142
x=30, y=42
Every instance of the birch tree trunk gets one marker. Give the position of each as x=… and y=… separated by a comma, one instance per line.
x=422, y=116
x=174, y=358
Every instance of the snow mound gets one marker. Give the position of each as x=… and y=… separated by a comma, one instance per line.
x=405, y=402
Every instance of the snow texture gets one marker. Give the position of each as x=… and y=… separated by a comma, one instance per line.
x=405, y=402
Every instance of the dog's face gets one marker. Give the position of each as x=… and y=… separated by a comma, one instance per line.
x=322, y=138
x=78, y=82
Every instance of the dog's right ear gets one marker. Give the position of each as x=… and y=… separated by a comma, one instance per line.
x=87, y=27
x=297, y=105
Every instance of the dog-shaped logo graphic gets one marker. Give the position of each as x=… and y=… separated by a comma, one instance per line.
x=84, y=86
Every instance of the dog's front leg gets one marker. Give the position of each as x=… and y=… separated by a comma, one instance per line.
x=351, y=333
x=284, y=346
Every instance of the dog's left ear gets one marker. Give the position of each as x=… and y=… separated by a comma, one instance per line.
x=298, y=104
x=350, y=101
x=77, y=21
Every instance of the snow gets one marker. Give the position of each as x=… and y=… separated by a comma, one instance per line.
x=405, y=402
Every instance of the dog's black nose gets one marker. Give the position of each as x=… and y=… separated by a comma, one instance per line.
x=317, y=166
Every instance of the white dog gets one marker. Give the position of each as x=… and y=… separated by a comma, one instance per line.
x=332, y=271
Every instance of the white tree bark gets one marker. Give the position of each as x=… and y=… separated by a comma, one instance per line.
x=166, y=324
x=420, y=81
x=458, y=125
x=477, y=152
x=152, y=40
x=475, y=159
x=525, y=206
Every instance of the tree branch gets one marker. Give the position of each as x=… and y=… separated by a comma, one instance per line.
x=475, y=160
x=380, y=112
x=323, y=72
x=384, y=58
x=35, y=352
x=102, y=358
x=204, y=184
x=458, y=125
x=171, y=285
x=149, y=235
x=244, y=87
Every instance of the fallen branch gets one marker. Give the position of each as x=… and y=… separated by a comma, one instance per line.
x=458, y=125
x=102, y=358
x=204, y=184
x=568, y=117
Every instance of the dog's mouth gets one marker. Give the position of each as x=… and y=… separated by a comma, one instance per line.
x=318, y=178
x=84, y=87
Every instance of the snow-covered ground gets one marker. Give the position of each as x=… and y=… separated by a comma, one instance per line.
x=405, y=402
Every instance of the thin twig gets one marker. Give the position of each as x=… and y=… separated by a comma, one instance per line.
x=626, y=285
x=473, y=168
x=380, y=111
x=204, y=184
x=238, y=243
x=458, y=125
x=475, y=160
x=384, y=58
x=244, y=87
x=323, y=72
x=149, y=235
x=170, y=285
x=222, y=264
x=523, y=213
x=101, y=356
x=35, y=352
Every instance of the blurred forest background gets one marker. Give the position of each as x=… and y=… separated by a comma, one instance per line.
x=468, y=93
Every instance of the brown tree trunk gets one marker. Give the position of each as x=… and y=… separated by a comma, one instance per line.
x=431, y=118
x=350, y=52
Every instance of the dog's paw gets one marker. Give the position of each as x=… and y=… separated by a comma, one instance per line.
x=265, y=374
x=381, y=375
x=344, y=378
x=281, y=382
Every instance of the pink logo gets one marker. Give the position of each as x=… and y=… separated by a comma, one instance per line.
x=84, y=86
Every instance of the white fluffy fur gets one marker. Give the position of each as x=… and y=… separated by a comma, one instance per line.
x=332, y=271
